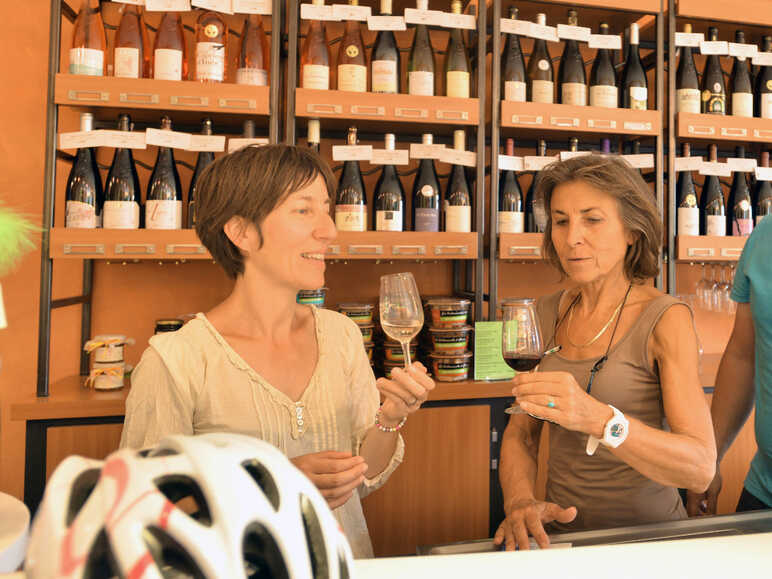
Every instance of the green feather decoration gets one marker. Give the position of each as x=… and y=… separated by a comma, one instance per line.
x=16, y=233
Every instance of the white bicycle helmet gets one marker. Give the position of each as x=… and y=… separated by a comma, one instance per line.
x=216, y=505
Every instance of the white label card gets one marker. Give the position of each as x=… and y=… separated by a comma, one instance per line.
x=510, y=163
x=717, y=169
x=167, y=5
x=565, y=155
x=763, y=58
x=742, y=165
x=252, y=6
x=80, y=140
x=693, y=39
x=642, y=161
x=746, y=50
x=352, y=152
x=532, y=163
x=688, y=163
x=465, y=21
x=173, y=139
x=549, y=33
x=386, y=23
x=389, y=157
x=312, y=12
x=428, y=17
x=346, y=12
x=714, y=47
x=764, y=173
x=579, y=33
x=608, y=41
x=213, y=143
x=123, y=139
x=224, y=6
x=454, y=157
x=513, y=26
x=421, y=151
x=133, y=2
x=241, y=142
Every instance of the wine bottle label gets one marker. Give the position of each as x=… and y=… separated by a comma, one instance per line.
x=714, y=102
x=316, y=76
x=458, y=84
x=121, y=215
x=426, y=219
x=385, y=76
x=167, y=64
x=688, y=221
x=210, y=61
x=388, y=220
x=742, y=227
x=543, y=65
x=458, y=218
x=514, y=90
x=688, y=100
x=350, y=218
x=511, y=222
x=604, y=96
x=766, y=106
x=420, y=82
x=89, y=61
x=574, y=93
x=163, y=214
x=742, y=104
x=352, y=77
x=716, y=224
x=80, y=215
x=253, y=76
x=542, y=91
x=127, y=62
x=639, y=98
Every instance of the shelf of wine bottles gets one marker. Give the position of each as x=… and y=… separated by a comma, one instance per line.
x=520, y=246
x=708, y=248
x=126, y=244
x=723, y=128
x=403, y=245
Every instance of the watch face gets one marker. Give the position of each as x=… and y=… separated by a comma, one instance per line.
x=617, y=430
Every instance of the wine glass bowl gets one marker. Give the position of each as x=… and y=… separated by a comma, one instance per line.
x=521, y=341
x=402, y=313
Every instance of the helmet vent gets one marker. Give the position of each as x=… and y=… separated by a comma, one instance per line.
x=262, y=557
x=264, y=480
x=186, y=495
x=170, y=557
x=82, y=487
x=101, y=560
x=314, y=538
x=343, y=566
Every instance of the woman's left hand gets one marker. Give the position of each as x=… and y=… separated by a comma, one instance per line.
x=404, y=393
x=555, y=396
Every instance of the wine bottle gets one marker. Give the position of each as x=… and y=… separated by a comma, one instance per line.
x=458, y=199
x=122, y=192
x=169, y=52
x=254, y=53
x=605, y=146
x=352, y=61
x=314, y=136
x=426, y=194
x=763, y=194
x=766, y=46
x=513, y=79
x=420, y=67
x=83, y=194
x=385, y=59
x=712, y=207
x=764, y=85
x=163, y=206
x=129, y=53
x=350, y=200
x=740, y=207
x=740, y=82
x=87, y=55
x=603, y=78
x=541, y=87
x=389, y=197
x=688, y=213
x=205, y=158
x=572, y=79
x=573, y=144
x=315, y=56
x=535, y=214
x=687, y=84
x=457, y=67
x=511, y=217
x=211, y=43
x=713, y=87
x=635, y=92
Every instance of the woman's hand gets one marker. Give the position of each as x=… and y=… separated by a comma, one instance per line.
x=404, y=392
x=555, y=396
x=526, y=518
x=335, y=474
x=700, y=504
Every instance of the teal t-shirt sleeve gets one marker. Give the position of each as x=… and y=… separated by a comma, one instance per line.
x=741, y=287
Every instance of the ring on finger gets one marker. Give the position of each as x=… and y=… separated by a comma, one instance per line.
x=412, y=401
x=551, y=403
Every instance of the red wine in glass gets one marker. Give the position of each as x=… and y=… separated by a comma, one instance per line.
x=523, y=362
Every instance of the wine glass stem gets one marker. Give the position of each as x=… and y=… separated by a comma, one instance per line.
x=406, y=352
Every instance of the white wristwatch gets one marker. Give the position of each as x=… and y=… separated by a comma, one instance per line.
x=614, y=434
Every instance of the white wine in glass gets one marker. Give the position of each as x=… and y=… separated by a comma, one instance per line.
x=402, y=314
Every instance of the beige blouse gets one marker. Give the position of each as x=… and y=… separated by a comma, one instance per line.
x=191, y=381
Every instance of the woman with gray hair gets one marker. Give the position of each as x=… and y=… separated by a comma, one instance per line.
x=628, y=418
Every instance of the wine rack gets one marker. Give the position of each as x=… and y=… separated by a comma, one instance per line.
x=708, y=248
x=734, y=129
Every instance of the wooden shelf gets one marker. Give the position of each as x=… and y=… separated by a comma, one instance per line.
x=569, y=119
x=723, y=128
x=648, y=6
x=751, y=12
x=69, y=398
x=701, y=248
x=520, y=246
x=394, y=245
x=126, y=244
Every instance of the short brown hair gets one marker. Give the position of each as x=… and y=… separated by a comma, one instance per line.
x=615, y=177
x=250, y=183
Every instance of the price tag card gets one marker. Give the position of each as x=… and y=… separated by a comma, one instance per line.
x=312, y=12
x=133, y=2
x=510, y=163
x=252, y=6
x=693, y=39
x=454, y=157
x=241, y=142
x=489, y=364
x=688, y=163
x=465, y=21
x=167, y=5
x=386, y=23
x=352, y=152
x=764, y=173
x=223, y=6
x=80, y=140
x=123, y=139
x=763, y=58
x=716, y=169
x=512, y=26
x=173, y=139
x=565, y=155
x=608, y=41
x=346, y=12
x=213, y=143
x=742, y=165
x=580, y=33
x=533, y=163
x=714, y=47
x=746, y=50
x=389, y=157
x=644, y=161
x=421, y=151
x=428, y=17
x=549, y=33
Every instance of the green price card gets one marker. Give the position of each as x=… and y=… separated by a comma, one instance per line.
x=489, y=364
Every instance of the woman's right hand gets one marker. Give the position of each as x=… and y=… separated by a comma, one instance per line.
x=527, y=517
x=335, y=474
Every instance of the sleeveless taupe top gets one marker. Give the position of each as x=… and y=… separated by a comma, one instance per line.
x=606, y=491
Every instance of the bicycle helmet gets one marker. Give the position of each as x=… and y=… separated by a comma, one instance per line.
x=216, y=505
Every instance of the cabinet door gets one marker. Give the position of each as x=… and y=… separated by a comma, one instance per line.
x=91, y=441
x=440, y=493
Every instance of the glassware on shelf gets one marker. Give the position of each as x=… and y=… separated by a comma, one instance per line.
x=702, y=290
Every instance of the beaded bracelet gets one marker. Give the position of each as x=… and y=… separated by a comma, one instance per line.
x=383, y=428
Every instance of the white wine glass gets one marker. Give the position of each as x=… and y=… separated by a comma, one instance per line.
x=521, y=341
x=402, y=314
